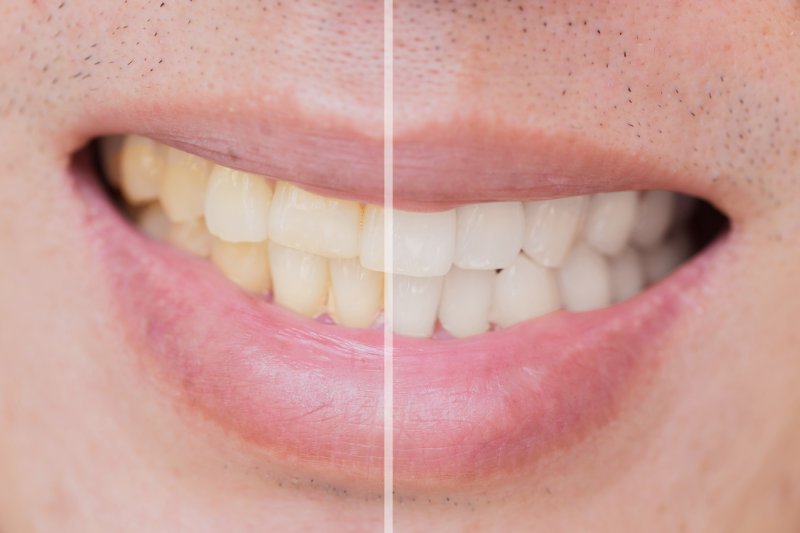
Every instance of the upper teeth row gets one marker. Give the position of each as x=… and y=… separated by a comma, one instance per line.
x=551, y=253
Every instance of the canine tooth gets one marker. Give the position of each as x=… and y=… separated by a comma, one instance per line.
x=551, y=227
x=313, y=223
x=585, y=280
x=237, y=205
x=488, y=236
x=372, y=239
x=357, y=293
x=110, y=152
x=191, y=236
x=153, y=221
x=466, y=298
x=653, y=217
x=424, y=243
x=627, y=275
x=141, y=169
x=610, y=220
x=662, y=259
x=416, y=301
x=183, y=189
x=299, y=279
x=523, y=291
x=244, y=263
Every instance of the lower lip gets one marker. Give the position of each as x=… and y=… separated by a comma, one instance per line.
x=312, y=394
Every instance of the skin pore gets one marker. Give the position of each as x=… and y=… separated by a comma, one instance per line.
x=704, y=94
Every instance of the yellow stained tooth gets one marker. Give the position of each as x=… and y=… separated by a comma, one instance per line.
x=191, y=236
x=141, y=169
x=357, y=293
x=110, y=152
x=183, y=189
x=153, y=221
x=316, y=224
x=237, y=205
x=244, y=263
x=299, y=279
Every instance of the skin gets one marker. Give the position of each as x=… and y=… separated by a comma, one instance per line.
x=708, y=93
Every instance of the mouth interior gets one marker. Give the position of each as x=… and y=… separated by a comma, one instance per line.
x=457, y=273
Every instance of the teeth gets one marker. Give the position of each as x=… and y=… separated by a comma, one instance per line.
x=610, y=220
x=300, y=279
x=551, y=227
x=110, y=154
x=488, y=236
x=141, y=164
x=662, y=259
x=627, y=275
x=244, y=263
x=466, y=298
x=415, y=303
x=191, y=236
x=313, y=223
x=183, y=189
x=523, y=291
x=585, y=280
x=424, y=243
x=357, y=293
x=153, y=222
x=237, y=205
x=372, y=239
x=653, y=218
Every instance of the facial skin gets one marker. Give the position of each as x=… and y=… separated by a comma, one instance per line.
x=705, y=93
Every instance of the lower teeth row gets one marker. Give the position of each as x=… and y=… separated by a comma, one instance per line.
x=468, y=269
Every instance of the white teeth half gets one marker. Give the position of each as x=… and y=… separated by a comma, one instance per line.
x=460, y=272
x=488, y=236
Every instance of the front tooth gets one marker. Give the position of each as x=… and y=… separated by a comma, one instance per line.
x=488, y=236
x=627, y=275
x=191, y=236
x=523, y=291
x=244, y=263
x=466, y=298
x=299, y=279
x=585, y=280
x=183, y=190
x=551, y=227
x=141, y=169
x=237, y=205
x=306, y=221
x=610, y=220
x=661, y=260
x=372, y=239
x=153, y=221
x=357, y=293
x=653, y=217
x=424, y=243
x=415, y=303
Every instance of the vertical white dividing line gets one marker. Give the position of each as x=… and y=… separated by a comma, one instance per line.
x=388, y=259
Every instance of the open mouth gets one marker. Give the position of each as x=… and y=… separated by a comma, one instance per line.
x=520, y=323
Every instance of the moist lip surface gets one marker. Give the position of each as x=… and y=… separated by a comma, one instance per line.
x=311, y=393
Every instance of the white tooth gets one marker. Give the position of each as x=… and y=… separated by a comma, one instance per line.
x=551, y=227
x=183, y=190
x=653, y=217
x=523, y=291
x=488, y=236
x=244, y=263
x=110, y=154
x=153, y=221
x=141, y=169
x=415, y=303
x=313, y=223
x=466, y=298
x=585, y=280
x=192, y=237
x=424, y=243
x=662, y=259
x=627, y=275
x=299, y=279
x=372, y=239
x=357, y=293
x=610, y=220
x=237, y=205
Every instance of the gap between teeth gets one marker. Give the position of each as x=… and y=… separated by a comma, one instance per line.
x=467, y=269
